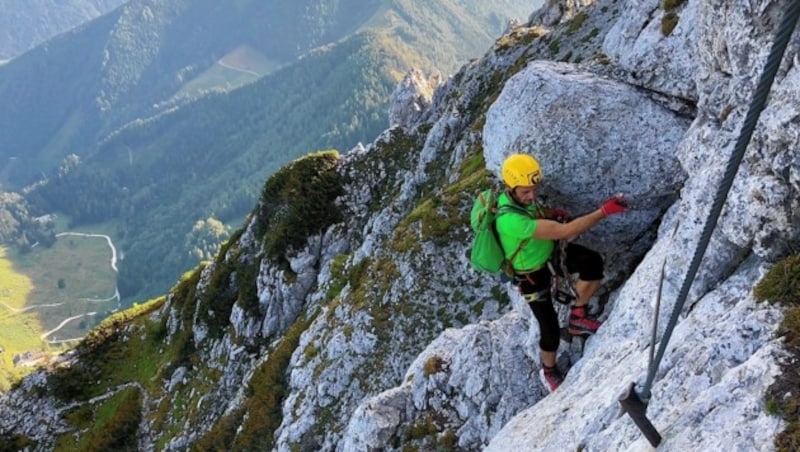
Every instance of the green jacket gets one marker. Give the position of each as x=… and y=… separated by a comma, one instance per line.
x=515, y=227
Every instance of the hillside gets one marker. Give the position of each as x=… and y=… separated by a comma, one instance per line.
x=69, y=95
x=171, y=156
x=24, y=25
x=211, y=157
x=352, y=320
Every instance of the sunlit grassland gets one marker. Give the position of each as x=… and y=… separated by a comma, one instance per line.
x=19, y=332
x=42, y=289
x=69, y=279
x=14, y=286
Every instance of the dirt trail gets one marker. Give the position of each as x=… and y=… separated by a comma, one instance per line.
x=108, y=239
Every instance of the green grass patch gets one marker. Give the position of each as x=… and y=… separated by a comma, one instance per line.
x=18, y=336
x=15, y=286
x=591, y=35
x=126, y=347
x=440, y=215
x=288, y=215
x=267, y=389
x=111, y=425
x=19, y=330
x=242, y=65
x=554, y=46
x=782, y=285
x=577, y=22
x=338, y=276
x=668, y=23
x=669, y=5
x=72, y=279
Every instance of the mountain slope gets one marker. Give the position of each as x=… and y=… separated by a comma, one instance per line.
x=144, y=53
x=351, y=320
x=210, y=157
x=166, y=159
x=27, y=24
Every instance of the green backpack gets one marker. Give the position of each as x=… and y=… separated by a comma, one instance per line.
x=487, y=254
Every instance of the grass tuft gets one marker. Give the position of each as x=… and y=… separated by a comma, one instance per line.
x=433, y=365
x=669, y=5
x=668, y=23
x=782, y=285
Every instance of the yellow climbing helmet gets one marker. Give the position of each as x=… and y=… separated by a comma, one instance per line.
x=521, y=170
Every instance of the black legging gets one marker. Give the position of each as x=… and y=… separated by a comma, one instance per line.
x=587, y=263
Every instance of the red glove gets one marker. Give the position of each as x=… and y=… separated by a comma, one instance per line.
x=559, y=214
x=613, y=206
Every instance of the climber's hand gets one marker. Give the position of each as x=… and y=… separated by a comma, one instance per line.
x=613, y=206
x=559, y=215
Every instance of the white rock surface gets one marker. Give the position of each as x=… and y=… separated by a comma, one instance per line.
x=594, y=138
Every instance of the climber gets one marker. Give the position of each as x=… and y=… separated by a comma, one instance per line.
x=521, y=175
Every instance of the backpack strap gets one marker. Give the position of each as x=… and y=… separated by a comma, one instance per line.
x=505, y=209
x=510, y=269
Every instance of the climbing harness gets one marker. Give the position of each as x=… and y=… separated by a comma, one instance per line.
x=562, y=288
x=634, y=401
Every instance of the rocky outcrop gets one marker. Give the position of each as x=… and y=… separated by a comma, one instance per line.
x=652, y=57
x=595, y=138
x=411, y=98
x=474, y=379
x=723, y=354
x=554, y=12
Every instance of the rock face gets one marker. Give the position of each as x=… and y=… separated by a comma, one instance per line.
x=385, y=338
x=475, y=379
x=594, y=138
x=667, y=64
x=723, y=354
x=411, y=98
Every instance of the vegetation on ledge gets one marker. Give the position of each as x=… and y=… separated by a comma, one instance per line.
x=782, y=285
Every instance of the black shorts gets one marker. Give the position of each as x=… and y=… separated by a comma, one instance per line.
x=587, y=263
x=535, y=288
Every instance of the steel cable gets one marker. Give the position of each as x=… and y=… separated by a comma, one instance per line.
x=757, y=104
